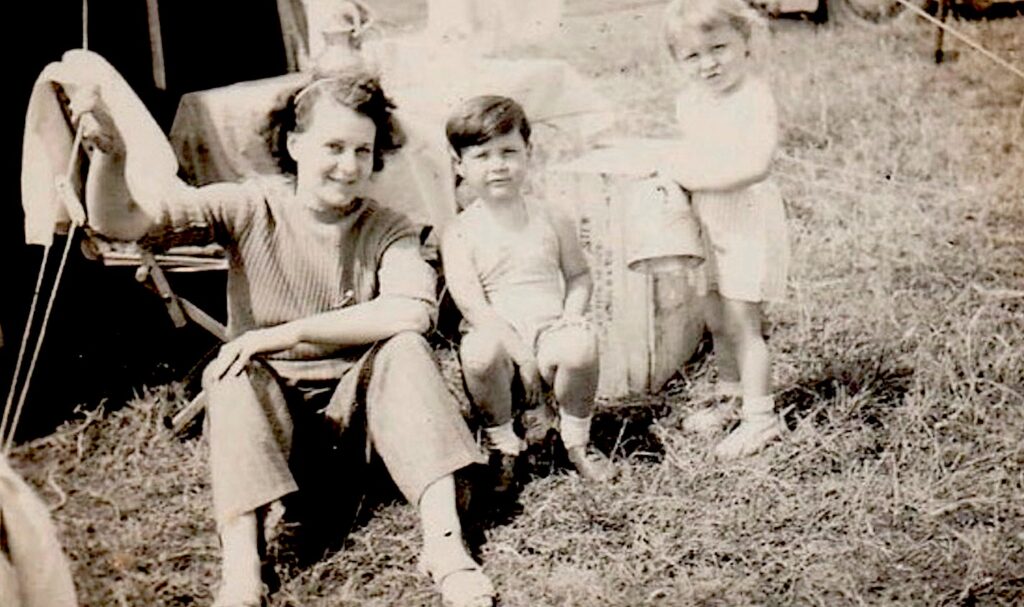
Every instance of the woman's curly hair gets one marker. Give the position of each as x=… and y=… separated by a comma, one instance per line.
x=355, y=88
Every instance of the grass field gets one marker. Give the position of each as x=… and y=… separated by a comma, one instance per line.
x=899, y=364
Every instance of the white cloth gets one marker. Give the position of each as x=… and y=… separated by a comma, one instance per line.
x=46, y=148
x=34, y=571
x=489, y=21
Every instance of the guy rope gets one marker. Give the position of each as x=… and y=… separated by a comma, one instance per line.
x=76, y=213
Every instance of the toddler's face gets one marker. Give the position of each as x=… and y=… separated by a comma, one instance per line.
x=715, y=59
x=496, y=169
x=334, y=155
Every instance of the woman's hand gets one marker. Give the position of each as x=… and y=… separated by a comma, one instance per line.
x=90, y=113
x=235, y=355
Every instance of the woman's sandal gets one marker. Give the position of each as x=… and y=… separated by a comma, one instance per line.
x=459, y=579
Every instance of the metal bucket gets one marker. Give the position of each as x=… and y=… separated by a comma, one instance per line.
x=661, y=232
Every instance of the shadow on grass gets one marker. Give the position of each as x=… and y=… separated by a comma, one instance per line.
x=621, y=431
x=874, y=381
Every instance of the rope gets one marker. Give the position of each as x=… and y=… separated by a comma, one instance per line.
x=965, y=39
x=8, y=441
x=39, y=341
x=24, y=344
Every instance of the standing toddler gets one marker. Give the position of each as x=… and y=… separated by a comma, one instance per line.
x=727, y=116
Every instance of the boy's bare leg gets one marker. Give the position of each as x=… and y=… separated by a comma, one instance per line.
x=488, y=371
x=568, y=360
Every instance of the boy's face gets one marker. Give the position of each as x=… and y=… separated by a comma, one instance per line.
x=496, y=169
x=714, y=59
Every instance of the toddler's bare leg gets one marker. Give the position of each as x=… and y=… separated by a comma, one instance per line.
x=725, y=350
x=742, y=325
x=709, y=421
x=759, y=423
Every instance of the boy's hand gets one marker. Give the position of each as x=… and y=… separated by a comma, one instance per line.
x=522, y=356
x=533, y=385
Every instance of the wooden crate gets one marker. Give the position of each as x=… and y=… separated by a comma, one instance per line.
x=649, y=326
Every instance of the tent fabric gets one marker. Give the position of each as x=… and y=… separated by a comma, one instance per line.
x=48, y=139
x=294, y=28
x=222, y=134
x=33, y=569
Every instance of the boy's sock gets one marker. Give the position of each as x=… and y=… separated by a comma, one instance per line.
x=503, y=438
x=575, y=431
x=592, y=465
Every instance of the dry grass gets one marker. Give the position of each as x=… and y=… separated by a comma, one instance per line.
x=898, y=361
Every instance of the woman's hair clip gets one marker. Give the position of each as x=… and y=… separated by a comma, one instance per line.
x=315, y=84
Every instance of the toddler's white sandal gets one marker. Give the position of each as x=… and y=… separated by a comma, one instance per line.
x=754, y=432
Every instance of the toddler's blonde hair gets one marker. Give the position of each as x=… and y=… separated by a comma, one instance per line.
x=685, y=16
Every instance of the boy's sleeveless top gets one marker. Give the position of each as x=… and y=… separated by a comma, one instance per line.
x=520, y=272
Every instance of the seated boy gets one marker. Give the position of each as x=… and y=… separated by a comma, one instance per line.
x=518, y=275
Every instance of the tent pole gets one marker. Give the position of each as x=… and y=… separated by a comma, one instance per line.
x=156, y=44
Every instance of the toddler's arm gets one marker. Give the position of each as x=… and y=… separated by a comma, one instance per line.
x=463, y=283
x=727, y=150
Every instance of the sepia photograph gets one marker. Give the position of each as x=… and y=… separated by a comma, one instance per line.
x=514, y=303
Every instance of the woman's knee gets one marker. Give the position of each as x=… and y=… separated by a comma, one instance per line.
x=214, y=384
x=482, y=355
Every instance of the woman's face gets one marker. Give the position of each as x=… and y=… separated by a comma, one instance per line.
x=333, y=155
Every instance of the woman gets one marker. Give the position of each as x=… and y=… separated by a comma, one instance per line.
x=327, y=298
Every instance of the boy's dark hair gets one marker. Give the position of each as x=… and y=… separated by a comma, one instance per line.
x=355, y=88
x=480, y=119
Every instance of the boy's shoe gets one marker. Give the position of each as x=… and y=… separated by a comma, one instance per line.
x=591, y=464
x=506, y=468
x=754, y=432
x=711, y=420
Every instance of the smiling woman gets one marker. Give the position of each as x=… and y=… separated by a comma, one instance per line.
x=327, y=297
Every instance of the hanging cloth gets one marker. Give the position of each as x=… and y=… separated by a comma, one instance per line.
x=47, y=145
